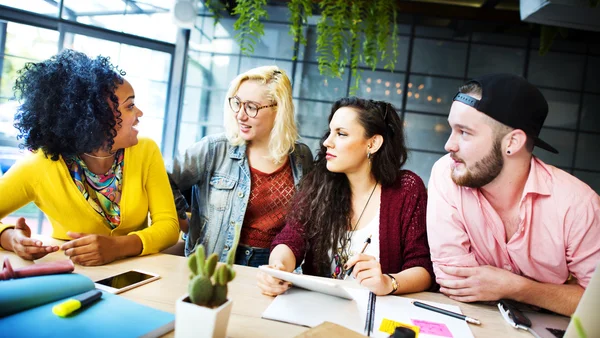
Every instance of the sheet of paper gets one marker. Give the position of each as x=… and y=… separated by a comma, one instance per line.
x=309, y=308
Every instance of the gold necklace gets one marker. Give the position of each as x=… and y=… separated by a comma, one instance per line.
x=100, y=157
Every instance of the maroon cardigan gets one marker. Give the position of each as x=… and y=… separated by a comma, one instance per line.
x=402, y=230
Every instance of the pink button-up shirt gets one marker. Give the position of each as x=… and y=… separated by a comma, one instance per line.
x=558, y=233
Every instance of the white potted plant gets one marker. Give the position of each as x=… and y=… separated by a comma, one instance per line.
x=205, y=310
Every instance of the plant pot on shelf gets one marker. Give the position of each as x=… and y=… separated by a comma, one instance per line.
x=193, y=320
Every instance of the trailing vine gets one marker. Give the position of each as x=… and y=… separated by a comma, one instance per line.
x=300, y=11
x=249, y=26
x=348, y=32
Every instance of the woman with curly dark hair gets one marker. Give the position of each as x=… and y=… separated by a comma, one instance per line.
x=88, y=171
x=355, y=194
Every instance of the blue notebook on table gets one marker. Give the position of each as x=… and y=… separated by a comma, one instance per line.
x=26, y=311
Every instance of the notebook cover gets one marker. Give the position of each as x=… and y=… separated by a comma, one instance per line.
x=111, y=316
x=24, y=293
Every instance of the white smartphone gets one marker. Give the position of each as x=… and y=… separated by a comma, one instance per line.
x=125, y=281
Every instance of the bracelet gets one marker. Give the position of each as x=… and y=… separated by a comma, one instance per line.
x=394, y=283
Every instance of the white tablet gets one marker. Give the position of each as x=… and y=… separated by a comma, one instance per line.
x=312, y=283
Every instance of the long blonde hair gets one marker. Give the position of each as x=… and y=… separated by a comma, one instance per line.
x=279, y=89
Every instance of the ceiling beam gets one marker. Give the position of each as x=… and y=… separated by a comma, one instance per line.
x=458, y=12
x=490, y=4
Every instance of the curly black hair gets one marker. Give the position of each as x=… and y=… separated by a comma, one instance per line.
x=65, y=108
x=323, y=204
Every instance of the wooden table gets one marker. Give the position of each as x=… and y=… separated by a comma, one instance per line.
x=248, y=302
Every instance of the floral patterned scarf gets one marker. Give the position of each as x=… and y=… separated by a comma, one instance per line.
x=103, y=192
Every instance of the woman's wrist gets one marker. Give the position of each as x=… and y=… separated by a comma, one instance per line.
x=393, y=284
x=5, y=239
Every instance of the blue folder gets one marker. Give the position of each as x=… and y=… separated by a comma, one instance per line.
x=111, y=316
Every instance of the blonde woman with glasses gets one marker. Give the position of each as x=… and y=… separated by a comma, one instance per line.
x=245, y=177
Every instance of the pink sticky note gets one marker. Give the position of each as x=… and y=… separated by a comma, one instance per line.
x=432, y=328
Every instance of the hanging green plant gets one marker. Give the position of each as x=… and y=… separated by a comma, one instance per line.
x=300, y=11
x=348, y=32
x=249, y=26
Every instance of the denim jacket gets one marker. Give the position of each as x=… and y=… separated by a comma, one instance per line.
x=219, y=176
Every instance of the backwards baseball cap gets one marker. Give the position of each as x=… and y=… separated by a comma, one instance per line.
x=511, y=100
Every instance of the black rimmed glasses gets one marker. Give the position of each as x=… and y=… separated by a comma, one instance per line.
x=250, y=108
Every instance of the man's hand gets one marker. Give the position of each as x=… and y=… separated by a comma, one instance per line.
x=367, y=271
x=20, y=242
x=272, y=286
x=482, y=283
x=90, y=250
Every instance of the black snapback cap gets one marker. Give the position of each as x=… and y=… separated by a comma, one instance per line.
x=511, y=100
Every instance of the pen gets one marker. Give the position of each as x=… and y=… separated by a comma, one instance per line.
x=370, y=320
x=367, y=242
x=73, y=304
x=447, y=313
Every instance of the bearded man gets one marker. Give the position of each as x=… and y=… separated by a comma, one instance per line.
x=501, y=223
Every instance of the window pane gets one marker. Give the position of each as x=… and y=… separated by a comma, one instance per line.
x=314, y=144
x=590, y=115
x=421, y=163
x=563, y=108
x=401, y=52
x=592, y=179
x=190, y=133
x=315, y=86
x=499, y=39
x=148, y=72
x=383, y=86
x=208, y=37
x=588, y=152
x=557, y=70
x=276, y=43
x=312, y=118
x=426, y=132
x=38, y=45
x=488, y=59
x=434, y=94
x=563, y=141
x=35, y=6
x=439, y=57
x=310, y=52
x=134, y=17
x=440, y=32
x=592, y=75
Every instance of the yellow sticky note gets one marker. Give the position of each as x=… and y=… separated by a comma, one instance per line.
x=388, y=326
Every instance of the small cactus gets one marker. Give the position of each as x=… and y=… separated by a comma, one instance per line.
x=208, y=283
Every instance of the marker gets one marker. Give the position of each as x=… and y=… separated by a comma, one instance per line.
x=447, y=313
x=73, y=304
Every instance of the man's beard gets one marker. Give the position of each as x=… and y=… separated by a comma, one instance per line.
x=484, y=171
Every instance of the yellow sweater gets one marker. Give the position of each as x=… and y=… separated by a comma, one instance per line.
x=145, y=189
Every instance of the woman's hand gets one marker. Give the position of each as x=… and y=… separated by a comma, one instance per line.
x=86, y=249
x=367, y=271
x=270, y=285
x=20, y=242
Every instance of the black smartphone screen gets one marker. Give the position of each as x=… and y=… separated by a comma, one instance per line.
x=124, y=279
x=517, y=316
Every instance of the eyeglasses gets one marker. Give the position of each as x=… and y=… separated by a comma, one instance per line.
x=250, y=108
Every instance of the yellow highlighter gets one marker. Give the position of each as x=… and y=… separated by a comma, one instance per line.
x=73, y=304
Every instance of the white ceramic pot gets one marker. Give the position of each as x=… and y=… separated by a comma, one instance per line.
x=192, y=320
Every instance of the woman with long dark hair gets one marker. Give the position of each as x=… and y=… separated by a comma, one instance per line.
x=357, y=192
